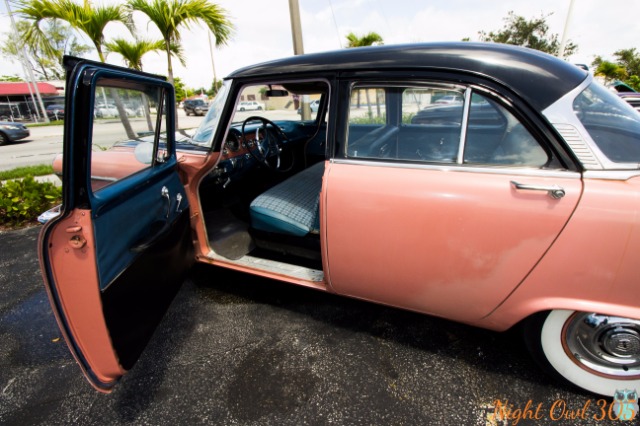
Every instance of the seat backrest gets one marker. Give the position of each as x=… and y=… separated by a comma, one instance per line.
x=375, y=144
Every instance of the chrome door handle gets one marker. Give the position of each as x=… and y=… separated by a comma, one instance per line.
x=554, y=191
x=165, y=194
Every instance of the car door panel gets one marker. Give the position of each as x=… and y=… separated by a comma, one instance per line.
x=149, y=214
x=71, y=280
x=116, y=256
x=422, y=238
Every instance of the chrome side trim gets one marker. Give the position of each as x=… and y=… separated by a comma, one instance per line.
x=578, y=145
x=106, y=178
x=621, y=175
x=452, y=167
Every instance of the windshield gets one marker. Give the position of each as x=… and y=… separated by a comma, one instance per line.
x=204, y=134
x=611, y=122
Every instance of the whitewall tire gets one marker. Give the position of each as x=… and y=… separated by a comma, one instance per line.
x=599, y=353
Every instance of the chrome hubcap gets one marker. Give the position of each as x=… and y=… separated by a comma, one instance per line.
x=606, y=345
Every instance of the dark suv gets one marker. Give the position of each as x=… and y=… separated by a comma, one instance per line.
x=195, y=107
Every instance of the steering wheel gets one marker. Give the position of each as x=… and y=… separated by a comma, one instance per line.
x=264, y=149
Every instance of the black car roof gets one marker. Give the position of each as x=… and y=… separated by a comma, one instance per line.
x=538, y=77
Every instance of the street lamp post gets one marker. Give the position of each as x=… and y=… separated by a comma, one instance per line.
x=27, y=70
x=565, y=33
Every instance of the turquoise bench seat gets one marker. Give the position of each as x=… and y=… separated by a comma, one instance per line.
x=292, y=206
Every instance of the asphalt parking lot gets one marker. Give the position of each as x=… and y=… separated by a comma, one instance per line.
x=237, y=350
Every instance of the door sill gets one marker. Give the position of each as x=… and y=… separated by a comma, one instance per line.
x=295, y=273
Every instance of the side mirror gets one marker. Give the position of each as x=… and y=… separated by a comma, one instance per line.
x=144, y=152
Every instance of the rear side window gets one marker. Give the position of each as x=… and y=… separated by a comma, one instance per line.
x=405, y=123
x=427, y=124
x=612, y=123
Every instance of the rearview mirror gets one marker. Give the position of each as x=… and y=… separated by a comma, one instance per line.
x=276, y=93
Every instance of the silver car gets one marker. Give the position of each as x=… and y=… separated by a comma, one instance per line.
x=11, y=132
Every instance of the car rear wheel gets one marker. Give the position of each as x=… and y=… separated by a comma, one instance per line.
x=4, y=139
x=599, y=353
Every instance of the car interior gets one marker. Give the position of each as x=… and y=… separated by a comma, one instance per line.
x=261, y=201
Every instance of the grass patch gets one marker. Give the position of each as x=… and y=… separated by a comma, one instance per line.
x=51, y=123
x=23, y=172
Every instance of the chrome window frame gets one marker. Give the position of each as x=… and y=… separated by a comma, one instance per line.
x=563, y=118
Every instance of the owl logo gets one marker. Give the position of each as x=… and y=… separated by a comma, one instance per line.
x=625, y=404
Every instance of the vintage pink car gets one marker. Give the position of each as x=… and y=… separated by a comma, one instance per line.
x=518, y=206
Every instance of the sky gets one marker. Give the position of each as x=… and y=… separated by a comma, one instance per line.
x=263, y=30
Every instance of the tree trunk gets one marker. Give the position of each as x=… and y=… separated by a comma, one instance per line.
x=170, y=72
x=116, y=98
x=123, y=114
x=147, y=111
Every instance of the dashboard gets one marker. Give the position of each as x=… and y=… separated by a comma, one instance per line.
x=236, y=160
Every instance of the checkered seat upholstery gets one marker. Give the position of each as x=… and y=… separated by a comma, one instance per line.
x=292, y=206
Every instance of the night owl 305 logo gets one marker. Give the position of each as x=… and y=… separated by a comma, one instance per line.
x=625, y=404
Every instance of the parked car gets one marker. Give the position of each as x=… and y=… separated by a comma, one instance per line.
x=195, y=107
x=520, y=214
x=55, y=112
x=313, y=106
x=111, y=110
x=449, y=99
x=632, y=98
x=11, y=132
x=250, y=106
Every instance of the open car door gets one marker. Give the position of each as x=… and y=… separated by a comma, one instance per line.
x=115, y=257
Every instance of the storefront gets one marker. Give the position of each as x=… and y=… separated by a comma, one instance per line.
x=16, y=102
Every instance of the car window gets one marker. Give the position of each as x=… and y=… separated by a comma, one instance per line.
x=496, y=137
x=425, y=124
x=124, y=121
x=612, y=123
x=405, y=123
x=277, y=102
x=204, y=134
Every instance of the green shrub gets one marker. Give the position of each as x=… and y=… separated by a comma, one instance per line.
x=22, y=200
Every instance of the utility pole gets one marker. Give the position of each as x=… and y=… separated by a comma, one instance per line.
x=298, y=49
x=565, y=33
x=296, y=27
x=28, y=70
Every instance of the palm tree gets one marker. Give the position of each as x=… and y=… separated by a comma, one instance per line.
x=132, y=53
x=610, y=71
x=171, y=15
x=366, y=40
x=86, y=18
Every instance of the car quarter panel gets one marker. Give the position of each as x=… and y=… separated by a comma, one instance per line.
x=593, y=267
x=423, y=238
